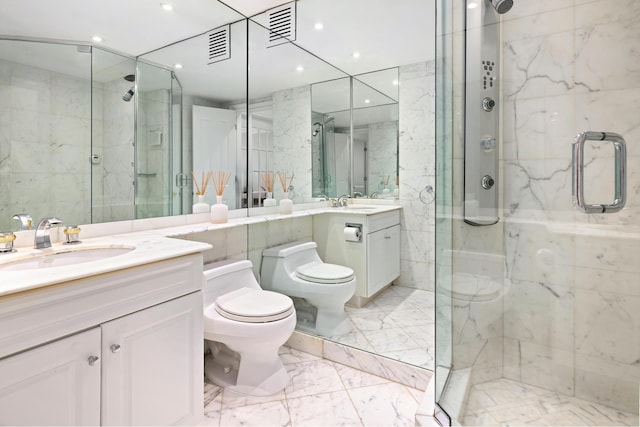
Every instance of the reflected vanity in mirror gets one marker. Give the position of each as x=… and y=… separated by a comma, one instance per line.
x=302, y=121
x=363, y=128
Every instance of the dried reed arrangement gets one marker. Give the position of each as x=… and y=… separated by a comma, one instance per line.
x=201, y=188
x=283, y=181
x=386, y=182
x=268, y=179
x=220, y=180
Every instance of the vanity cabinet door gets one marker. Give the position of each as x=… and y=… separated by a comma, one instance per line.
x=153, y=365
x=54, y=384
x=383, y=266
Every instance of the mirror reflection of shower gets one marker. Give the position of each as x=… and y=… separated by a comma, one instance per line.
x=317, y=127
x=502, y=6
x=129, y=94
x=329, y=151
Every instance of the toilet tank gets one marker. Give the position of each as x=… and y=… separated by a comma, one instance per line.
x=222, y=277
x=287, y=257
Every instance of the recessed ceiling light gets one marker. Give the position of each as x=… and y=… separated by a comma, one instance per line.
x=96, y=39
x=318, y=26
x=177, y=66
x=166, y=6
x=299, y=68
x=395, y=83
x=356, y=54
x=367, y=101
x=472, y=5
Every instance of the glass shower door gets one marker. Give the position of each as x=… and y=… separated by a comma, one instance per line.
x=543, y=307
x=154, y=112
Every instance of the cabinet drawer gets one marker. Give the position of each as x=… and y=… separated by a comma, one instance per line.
x=383, y=220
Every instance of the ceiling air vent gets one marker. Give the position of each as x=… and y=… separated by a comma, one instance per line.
x=282, y=24
x=219, y=41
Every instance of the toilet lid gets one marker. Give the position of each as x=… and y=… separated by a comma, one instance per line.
x=320, y=272
x=254, y=305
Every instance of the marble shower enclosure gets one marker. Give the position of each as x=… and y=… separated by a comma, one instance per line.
x=569, y=319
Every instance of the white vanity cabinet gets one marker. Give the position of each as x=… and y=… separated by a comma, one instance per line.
x=383, y=257
x=375, y=259
x=122, y=348
x=150, y=365
x=53, y=384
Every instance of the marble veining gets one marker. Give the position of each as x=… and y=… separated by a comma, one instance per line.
x=505, y=402
x=321, y=393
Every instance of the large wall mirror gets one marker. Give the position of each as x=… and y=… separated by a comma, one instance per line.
x=355, y=136
x=281, y=143
x=91, y=135
x=210, y=70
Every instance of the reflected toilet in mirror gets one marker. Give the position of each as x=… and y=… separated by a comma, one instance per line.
x=244, y=328
x=319, y=290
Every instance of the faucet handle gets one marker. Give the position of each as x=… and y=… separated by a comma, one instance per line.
x=6, y=242
x=73, y=234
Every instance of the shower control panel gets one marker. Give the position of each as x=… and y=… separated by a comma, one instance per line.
x=482, y=108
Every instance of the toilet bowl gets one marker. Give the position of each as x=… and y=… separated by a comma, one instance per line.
x=244, y=326
x=318, y=289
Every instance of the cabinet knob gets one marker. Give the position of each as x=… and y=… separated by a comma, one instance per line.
x=387, y=237
x=114, y=348
x=93, y=360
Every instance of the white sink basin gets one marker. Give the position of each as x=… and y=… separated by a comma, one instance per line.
x=64, y=257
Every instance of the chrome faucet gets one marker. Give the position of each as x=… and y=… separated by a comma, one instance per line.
x=342, y=200
x=26, y=223
x=42, y=239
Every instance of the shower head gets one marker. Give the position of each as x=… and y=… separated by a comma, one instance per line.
x=318, y=126
x=502, y=6
x=128, y=94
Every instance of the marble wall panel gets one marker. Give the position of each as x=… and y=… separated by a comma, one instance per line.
x=46, y=130
x=416, y=173
x=267, y=234
x=570, y=67
x=292, y=140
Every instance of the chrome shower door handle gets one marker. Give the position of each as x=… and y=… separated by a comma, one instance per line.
x=620, y=158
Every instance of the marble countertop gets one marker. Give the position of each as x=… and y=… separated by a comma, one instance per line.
x=148, y=248
x=149, y=245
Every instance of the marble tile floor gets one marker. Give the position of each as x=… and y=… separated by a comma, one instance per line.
x=399, y=324
x=321, y=393
x=506, y=403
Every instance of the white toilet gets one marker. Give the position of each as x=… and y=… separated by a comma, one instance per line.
x=319, y=289
x=244, y=327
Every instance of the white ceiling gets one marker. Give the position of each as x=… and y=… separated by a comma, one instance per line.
x=386, y=33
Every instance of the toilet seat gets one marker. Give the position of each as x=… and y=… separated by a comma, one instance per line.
x=254, y=306
x=320, y=272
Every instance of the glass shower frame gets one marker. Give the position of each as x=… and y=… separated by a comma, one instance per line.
x=565, y=319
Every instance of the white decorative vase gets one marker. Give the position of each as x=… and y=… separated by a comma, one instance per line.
x=269, y=201
x=219, y=212
x=200, y=206
x=286, y=205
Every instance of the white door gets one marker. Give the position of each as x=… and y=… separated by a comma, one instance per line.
x=153, y=365
x=215, y=148
x=55, y=384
